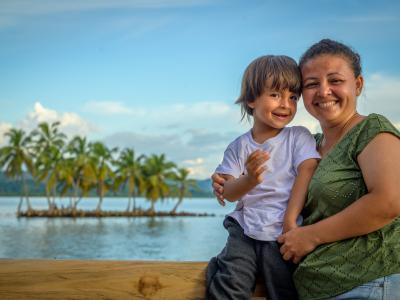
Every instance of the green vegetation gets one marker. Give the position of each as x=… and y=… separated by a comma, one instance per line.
x=45, y=162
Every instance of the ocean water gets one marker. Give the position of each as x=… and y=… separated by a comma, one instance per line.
x=156, y=238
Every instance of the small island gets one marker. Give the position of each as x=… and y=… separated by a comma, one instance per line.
x=45, y=162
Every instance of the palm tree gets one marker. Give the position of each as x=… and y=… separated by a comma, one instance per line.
x=48, y=147
x=101, y=160
x=16, y=157
x=66, y=180
x=157, y=171
x=183, y=184
x=49, y=166
x=129, y=173
x=82, y=168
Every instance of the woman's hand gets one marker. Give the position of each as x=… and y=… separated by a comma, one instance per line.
x=297, y=243
x=218, y=186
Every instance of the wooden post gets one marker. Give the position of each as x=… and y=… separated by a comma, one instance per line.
x=91, y=279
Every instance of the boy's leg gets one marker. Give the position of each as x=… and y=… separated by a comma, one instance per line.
x=232, y=274
x=277, y=272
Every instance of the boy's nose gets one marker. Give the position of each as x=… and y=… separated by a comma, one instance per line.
x=285, y=101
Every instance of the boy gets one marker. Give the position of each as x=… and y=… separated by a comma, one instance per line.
x=263, y=168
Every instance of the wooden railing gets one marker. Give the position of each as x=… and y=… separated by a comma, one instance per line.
x=89, y=279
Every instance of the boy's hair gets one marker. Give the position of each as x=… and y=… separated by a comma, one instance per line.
x=276, y=72
x=331, y=47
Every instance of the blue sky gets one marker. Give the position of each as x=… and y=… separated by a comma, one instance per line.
x=161, y=76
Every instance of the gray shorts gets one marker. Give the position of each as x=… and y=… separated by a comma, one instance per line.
x=232, y=274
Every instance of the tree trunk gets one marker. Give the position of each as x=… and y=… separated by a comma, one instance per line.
x=152, y=206
x=176, y=205
x=128, y=208
x=181, y=195
x=134, y=204
x=76, y=194
x=100, y=194
x=48, y=201
x=28, y=203
x=21, y=199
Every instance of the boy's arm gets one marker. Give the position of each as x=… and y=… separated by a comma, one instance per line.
x=299, y=193
x=235, y=188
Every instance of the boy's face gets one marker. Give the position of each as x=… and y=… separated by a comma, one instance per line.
x=274, y=109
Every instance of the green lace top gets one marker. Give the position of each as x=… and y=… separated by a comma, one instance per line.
x=332, y=269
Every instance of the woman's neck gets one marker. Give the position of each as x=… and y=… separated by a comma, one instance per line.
x=334, y=133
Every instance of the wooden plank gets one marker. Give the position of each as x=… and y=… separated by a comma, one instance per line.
x=89, y=279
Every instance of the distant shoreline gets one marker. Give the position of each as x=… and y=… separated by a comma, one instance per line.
x=69, y=213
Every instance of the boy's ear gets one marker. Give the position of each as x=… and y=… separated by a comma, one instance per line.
x=251, y=104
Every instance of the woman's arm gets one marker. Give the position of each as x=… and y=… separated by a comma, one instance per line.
x=380, y=166
x=299, y=193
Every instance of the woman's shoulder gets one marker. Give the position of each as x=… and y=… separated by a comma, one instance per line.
x=374, y=124
x=369, y=128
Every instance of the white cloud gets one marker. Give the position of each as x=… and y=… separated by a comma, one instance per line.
x=303, y=118
x=189, y=111
x=170, y=118
x=183, y=148
x=4, y=127
x=194, y=162
x=110, y=108
x=70, y=123
x=380, y=95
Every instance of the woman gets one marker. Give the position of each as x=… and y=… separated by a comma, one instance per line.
x=349, y=244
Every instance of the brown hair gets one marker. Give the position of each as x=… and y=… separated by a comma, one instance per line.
x=331, y=47
x=277, y=72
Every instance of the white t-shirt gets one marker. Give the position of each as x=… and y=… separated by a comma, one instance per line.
x=261, y=211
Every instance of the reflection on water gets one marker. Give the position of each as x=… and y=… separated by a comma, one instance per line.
x=167, y=238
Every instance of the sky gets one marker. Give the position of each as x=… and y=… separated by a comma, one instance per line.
x=162, y=76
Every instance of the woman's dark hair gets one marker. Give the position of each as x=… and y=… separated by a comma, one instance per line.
x=330, y=47
x=276, y=72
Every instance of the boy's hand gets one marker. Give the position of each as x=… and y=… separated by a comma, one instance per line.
x=255, y=166
x=287, y=226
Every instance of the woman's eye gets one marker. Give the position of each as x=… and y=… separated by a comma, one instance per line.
x=336, y=81
x=310, y=85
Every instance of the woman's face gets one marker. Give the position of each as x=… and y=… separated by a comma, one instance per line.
x=330, y=89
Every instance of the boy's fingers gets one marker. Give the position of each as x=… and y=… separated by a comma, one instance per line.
x=220, y=200
x=260, y=170
x=216, y=178
x=216, y=186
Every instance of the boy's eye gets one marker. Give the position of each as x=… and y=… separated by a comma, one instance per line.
x=274, y=95
x=294, y=98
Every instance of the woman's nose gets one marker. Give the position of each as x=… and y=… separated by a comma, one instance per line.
x=324, y=90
